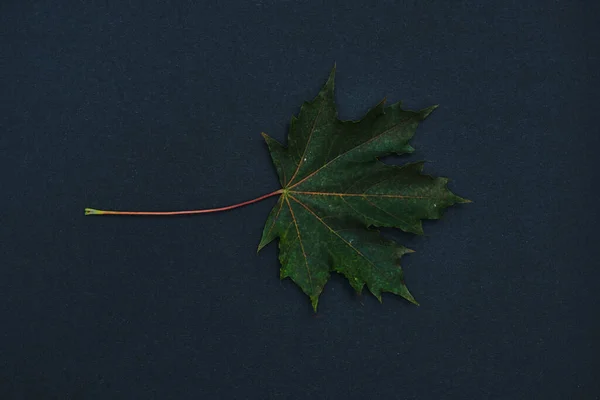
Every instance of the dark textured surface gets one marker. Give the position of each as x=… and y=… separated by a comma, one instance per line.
x=154, y=106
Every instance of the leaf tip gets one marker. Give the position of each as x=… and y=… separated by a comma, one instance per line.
x=315, y=302
x=267, y=138
x=408, y=149
x=416, y=167
x=330, y=81
x=406, y=294
x=260, y=247
x=426, y=111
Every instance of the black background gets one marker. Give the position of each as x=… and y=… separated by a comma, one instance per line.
x=160, y=105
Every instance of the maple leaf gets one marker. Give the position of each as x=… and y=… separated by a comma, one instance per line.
x=334, y=189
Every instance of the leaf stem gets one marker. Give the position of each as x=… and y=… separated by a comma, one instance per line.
x=92, y=211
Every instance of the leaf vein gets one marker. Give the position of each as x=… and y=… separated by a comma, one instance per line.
x=385, y=211
x=301, y=244
x=334, y=232
x=349, y=150
x=394, y=196
x=312, y=130
x=276, y=217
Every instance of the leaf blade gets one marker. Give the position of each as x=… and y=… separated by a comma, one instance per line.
x=335, y=190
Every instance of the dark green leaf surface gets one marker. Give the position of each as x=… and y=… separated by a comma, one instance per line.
x=335, y=190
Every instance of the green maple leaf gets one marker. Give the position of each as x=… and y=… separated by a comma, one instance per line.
x=334, y=189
